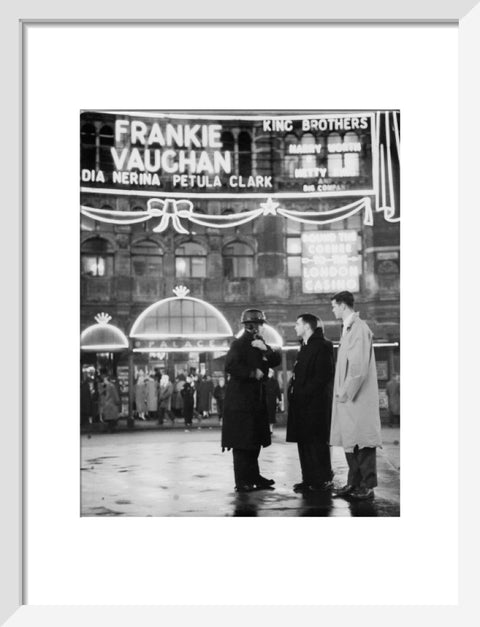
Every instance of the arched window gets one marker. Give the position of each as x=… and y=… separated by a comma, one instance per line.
x=263, y=154
x=291, y=159
x=244, y=154
x=351, y=157
x=106, y=141
x=88, y=149
x=228, y=143
x=190, y=261
x=335, y=158
x=343, y=155
x=147, y=259
x=308, y=151
x=237, y=261
x=97, y=257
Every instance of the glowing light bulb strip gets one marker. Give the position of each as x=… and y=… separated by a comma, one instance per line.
x=330, y=212
x=96, y=214
x=383, y=164
x=102, y=348
x=391, y=211
x=368, y=219
x=376, y=155
x=165, y=221
x=239, y=221
x=183, y=349
x=181, y=336
x=397, y=132
x=108, y=212
x=375, y=163
x=230, y=216
x=382, y=174
x=316, y=218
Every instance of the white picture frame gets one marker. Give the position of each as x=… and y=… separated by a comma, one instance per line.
x=16, y=19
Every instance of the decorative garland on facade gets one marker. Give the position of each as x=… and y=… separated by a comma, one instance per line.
x=171, y=212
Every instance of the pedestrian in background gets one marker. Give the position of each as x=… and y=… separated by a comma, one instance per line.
x=245, y=427
x=219, y=396
x=141, y=395
x=87, y=405
x=165, y=391
x=110, y=403
x=356, y=415
x=310, y=405
x=188, y=392
x=177, y=399
x=204, y=397
x=393, y=395
x=151, y=385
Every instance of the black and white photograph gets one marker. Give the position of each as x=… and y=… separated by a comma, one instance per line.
x=240, y=313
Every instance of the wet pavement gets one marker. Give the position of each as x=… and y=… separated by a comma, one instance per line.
x=170, y=472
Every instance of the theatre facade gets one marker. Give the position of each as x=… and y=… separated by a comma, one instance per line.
x=187, y=218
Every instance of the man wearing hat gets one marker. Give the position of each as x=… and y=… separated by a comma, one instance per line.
x=245, y=427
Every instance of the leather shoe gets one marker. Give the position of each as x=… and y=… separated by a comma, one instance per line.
x=345, y=490
x=362, y=494
x=263, y=481
x=245, y=487
x=300, y=487
x=326, y=486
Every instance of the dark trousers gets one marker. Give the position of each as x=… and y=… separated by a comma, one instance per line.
x=163, y=413
x=362, y=467
x=245, y=466
x=315, y=461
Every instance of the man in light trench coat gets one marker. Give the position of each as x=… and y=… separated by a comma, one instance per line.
x=355, y=411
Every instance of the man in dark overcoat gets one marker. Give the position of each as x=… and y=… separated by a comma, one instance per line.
x=245, y=427
x=204, y=389
x=310, y=405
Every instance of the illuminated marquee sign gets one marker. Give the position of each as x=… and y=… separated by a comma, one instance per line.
x=187, y=155
x=207, y=345
x=330, y=262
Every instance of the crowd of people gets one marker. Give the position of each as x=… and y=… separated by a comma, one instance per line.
x=328, y=404
x=188, y=397
x=100, y=398
x=157, y=398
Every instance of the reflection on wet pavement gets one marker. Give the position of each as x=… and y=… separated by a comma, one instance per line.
x=185, y=474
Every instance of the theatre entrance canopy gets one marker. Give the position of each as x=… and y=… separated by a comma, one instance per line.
x=103, y=337
x=181, y=324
